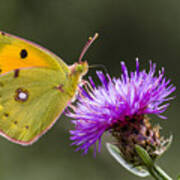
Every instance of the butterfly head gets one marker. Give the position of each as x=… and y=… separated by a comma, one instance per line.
x=80, y=69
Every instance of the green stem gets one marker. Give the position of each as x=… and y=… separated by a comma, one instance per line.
x=158, y=173
x=153, y=174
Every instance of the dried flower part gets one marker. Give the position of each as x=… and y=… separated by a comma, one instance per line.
x=138, y=131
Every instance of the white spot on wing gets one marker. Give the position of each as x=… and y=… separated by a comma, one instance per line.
x=22, y=96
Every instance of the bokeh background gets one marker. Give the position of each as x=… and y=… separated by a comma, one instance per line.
x=128, y=29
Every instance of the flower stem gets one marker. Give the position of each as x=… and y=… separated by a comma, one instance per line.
x=158, y=173
x=154, y=174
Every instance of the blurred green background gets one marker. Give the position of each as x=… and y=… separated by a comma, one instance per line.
x=128, y=29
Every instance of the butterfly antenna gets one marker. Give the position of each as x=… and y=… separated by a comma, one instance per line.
x=87, y=45
x=99, y=65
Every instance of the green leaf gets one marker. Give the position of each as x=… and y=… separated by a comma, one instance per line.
x=144, y=156
x=116, y=153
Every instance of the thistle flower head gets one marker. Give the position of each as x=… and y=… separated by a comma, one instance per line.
x=120, y=106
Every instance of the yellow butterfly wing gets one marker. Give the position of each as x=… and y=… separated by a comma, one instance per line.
x=35, y=87
x=31, y=102
x=16, y=53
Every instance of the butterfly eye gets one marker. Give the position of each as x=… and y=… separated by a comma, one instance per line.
x=23, y=53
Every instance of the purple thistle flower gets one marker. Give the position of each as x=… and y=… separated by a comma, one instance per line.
x=117, y=102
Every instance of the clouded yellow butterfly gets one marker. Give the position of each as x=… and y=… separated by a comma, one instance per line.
x=35, y=87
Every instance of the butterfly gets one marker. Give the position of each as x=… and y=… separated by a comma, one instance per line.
x=35, y=87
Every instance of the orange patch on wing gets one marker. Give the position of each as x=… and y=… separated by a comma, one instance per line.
x=16, y=57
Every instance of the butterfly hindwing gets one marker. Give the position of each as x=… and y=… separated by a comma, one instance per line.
x=30, y=102
x=16, y=53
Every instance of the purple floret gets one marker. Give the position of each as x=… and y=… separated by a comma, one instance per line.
x=116, y=101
